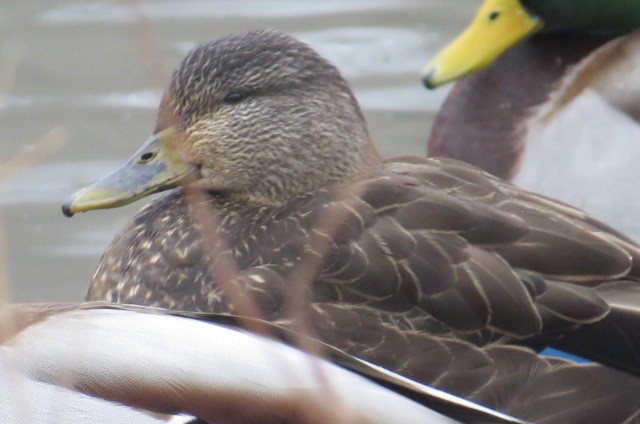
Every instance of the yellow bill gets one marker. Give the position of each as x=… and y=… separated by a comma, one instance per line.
x=499, y=25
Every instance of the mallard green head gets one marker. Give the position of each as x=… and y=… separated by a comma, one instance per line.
x=260, y=117
x=501, y=24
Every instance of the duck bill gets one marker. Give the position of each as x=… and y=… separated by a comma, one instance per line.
x=499, y=25
x=158, y=165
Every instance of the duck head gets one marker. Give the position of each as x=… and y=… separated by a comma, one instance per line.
x=501, y=24
x=498, y=25
x=259, y=117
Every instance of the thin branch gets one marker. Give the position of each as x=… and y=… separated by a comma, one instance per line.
x=44, y=148
x=148, y=47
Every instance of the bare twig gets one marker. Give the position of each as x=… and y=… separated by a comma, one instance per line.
x=45, y=147
x=48, y=144
x=226, y=270
x=11, y=59
x=148, y=47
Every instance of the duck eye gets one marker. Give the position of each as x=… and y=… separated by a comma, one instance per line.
x=232, y=98
x=146, y=157
x=494, y=15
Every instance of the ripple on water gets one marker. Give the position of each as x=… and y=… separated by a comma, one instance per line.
x=142, y=99
x=110, y=12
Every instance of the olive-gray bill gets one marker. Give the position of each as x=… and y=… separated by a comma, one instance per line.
x=156, y=166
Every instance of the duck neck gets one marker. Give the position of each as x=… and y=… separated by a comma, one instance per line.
x=604, y=17
x=484, y=119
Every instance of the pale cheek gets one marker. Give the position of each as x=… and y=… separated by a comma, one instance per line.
x=206, y=140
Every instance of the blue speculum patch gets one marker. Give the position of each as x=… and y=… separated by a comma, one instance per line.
x=564, y=355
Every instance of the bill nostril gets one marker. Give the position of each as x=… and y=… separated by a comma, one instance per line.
x=145, y=157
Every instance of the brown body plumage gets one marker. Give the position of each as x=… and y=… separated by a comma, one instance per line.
x=429, y=267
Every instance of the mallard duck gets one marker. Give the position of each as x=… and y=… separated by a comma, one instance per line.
x=427, y=267
x=537, y=111
x=106, y=363
x=68, y=363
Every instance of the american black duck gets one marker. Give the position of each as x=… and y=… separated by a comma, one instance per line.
x=551, y=85
x=428, y=267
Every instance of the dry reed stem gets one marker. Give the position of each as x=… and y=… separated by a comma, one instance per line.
x=209, y=221
x=11, y=60
x=5, y=291
x=300, y=283
x=213, y=243
x=301, y=279
x=143, y=30
x=21, y=162
x=227, y=271
x=10, y=63
x=46, y=146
